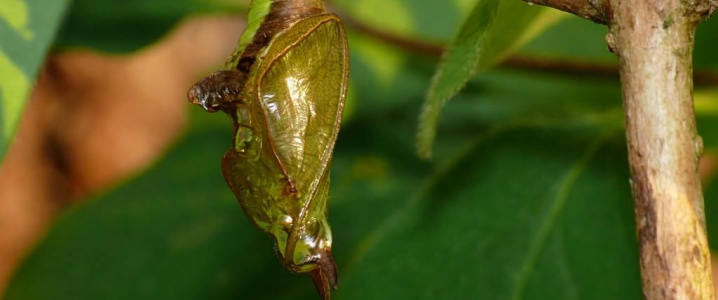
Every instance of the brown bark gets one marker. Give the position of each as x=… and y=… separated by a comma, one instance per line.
x=654, y=43
x=594, y=10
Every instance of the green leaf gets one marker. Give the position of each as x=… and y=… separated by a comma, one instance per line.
x=492, y=29
x=177, y=232
x=525, y=214
x=105, y=26
x=26, y=29
x=142, y=242
x=516, y=211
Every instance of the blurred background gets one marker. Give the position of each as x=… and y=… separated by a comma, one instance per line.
x=111, y=186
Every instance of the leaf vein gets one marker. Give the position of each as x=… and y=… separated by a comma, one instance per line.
x=549, y=222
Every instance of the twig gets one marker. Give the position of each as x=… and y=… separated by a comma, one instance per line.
x=594, y=10
x=415, y=46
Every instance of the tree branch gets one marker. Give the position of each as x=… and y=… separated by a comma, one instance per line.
x=594, y=10
x=654, y=43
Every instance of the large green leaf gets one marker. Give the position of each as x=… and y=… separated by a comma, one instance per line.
x=27, y=28
x=142, y=242
x=179, y=234
x=526, y=214
x=107, y=26
x=491, y=30
x=517, y=213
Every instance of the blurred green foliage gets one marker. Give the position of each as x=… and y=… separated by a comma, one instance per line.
x=26, y=33
x=491, y=30
x=107, y=26
x=526, y=197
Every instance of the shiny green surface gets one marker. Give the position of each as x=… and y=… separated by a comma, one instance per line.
x=296, y=106
x=287, y=112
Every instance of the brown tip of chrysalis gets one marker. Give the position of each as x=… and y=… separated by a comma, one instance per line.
x=325, y=276
x=218, y=90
